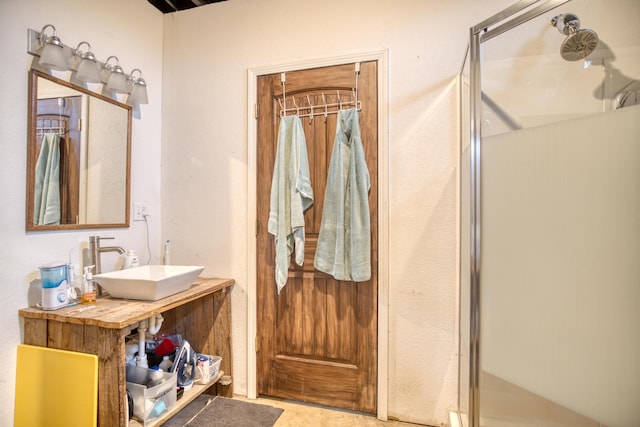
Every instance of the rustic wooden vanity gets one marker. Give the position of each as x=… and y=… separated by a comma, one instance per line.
x=202, y=314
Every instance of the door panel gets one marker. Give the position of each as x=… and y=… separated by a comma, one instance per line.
x=317, y=340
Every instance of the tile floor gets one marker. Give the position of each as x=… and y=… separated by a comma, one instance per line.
x=297, y=414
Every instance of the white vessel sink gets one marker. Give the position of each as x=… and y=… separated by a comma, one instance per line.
x=149, y=282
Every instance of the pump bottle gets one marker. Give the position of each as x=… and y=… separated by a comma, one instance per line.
x=131, y=260
x=167, y=253
x=88, y=286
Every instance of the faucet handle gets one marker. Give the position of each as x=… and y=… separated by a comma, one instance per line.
x=97, y=239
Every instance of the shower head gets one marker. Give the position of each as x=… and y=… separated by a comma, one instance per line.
x=579, y=43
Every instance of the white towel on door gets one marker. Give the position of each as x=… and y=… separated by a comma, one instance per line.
x=344, y=242
x=291, y=195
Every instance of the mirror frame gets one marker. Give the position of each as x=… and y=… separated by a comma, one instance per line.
x=32, y=159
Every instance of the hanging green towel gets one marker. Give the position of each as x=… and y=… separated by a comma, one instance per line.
x=47, y=189
x=291, y=195
x=344, y=242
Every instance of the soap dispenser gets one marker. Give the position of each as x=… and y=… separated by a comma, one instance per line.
x=130, y=260
x=88, y=286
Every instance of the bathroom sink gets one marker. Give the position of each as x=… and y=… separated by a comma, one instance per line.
x=148, y=282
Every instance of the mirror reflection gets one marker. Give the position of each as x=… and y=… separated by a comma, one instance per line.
x=77, y=159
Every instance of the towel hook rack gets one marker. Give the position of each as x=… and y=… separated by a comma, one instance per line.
x=324, y=101
x=326, y=108
x=283, y=79
x=311, y=108
x=357, y=74
x=295, y=104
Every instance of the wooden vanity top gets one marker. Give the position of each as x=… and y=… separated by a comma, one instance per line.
x=116, y=313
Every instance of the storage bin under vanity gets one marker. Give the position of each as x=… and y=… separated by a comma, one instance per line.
x=153, y=392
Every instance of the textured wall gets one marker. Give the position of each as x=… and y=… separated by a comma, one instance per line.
x=207, y=53
x=132, y=30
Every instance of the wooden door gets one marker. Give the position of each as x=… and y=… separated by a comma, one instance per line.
x=317, y=339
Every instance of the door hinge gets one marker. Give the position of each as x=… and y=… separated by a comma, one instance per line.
x=257, y=344
x=79, y=125
x=255, y=108
x=257, y=224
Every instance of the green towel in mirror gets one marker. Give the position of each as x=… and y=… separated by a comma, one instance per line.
x=47, y=177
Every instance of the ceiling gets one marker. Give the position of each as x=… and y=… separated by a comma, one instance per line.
x=168, y=6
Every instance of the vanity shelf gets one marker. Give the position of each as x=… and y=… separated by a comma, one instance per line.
x=201, y=314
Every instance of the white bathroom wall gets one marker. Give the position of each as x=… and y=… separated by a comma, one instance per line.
x=132, y=30
x=207, y=53
x=202, y=70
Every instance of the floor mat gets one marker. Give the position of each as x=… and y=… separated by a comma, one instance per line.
x=211, y=411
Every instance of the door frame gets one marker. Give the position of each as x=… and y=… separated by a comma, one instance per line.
x=381, y=57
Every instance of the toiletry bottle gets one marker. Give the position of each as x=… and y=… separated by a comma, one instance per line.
x=88, y=287
x=167, y=254
x=166, y=364
x=131, y=260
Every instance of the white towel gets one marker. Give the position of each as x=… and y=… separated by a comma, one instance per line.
x=344, y=242
x=291, y=195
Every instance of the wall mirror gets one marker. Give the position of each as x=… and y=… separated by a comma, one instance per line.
x=78, y=157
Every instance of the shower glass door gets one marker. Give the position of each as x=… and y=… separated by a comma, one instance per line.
x=555, y=229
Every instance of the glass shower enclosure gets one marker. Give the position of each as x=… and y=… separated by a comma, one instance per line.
x=550, y=216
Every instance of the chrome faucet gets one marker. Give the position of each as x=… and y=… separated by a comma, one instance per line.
x=94, y=254
x=95, y=250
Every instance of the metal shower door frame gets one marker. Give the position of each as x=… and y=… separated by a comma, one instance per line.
x=506, y=20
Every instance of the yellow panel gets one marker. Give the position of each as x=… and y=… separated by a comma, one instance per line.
x=55, y=388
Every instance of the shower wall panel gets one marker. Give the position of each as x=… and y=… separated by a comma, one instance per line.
x=560, y=270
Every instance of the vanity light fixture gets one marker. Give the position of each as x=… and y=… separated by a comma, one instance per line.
x=88, y=69
x=138, y=92
x=117, y=81
x=52, y=56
